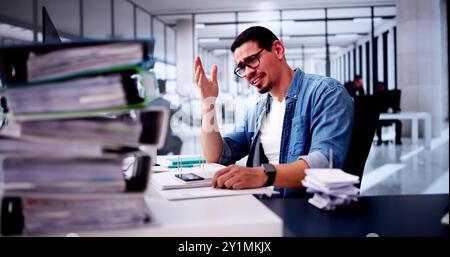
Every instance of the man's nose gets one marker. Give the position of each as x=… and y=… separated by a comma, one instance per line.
x=249, y=71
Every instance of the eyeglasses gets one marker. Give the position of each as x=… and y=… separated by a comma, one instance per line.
x=251, y=61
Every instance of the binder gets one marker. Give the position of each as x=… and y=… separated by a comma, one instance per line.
x=108, y=92
x=71, y=176
x=110, y=130
x=15, y=60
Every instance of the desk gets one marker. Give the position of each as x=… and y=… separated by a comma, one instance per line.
x=414, y=117
x=401, y=215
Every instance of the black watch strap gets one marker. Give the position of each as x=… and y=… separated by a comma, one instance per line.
x=271, y=172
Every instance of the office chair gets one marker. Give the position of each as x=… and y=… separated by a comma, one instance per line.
x=367, y=113
x=390, y=100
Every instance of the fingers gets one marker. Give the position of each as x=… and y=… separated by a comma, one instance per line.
x=219, y=173
x=197, y=75
x=226, y=177
x=239, y=185
x=231, y=181
x=214, y=74
x=198, y=68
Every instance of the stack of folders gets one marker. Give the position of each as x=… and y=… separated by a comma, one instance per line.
x=331, y=187
x=77, y=115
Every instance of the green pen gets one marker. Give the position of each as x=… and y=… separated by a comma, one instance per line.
x=180, y=166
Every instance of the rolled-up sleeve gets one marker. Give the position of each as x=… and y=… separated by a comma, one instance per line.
x=331, y=127
x=315, y=160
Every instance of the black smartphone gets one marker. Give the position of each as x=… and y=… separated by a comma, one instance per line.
x=188, y=177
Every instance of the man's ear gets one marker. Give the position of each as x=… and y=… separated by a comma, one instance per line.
x=278, y=49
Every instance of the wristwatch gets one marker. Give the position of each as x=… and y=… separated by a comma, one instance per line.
x=271, y=172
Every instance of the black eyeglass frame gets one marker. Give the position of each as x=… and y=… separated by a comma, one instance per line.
x=244, y=63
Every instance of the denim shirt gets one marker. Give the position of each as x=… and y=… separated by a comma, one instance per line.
x=318, y=116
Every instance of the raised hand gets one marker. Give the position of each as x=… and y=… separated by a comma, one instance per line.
x=208, y=88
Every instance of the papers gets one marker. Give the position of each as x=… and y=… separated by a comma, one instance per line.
x=205, y=192
x=173, y=188
x=167, y=180
x=16, y=146
x=120, y=129
x=84, y=94
x=81, y=59
x=63, y=175
x=331, y=187
x=53, y=215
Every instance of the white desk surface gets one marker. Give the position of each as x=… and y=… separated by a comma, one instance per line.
x=404, y=115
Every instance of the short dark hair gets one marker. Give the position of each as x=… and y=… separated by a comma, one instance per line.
x=261, y=35
x=358, y=77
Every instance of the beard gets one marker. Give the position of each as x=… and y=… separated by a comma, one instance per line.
x=264, y=89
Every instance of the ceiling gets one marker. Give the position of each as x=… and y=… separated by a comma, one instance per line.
x=195, y=6
x=216, y=20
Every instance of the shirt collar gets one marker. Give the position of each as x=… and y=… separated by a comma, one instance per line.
x=294, y=87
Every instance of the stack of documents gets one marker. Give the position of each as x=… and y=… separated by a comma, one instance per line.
x=81, y=94
x=50, y=215
x=81, y=59
x=77, y=118
x=331, y=187
x=40, y=174
x=24, y=147
x=105, y=130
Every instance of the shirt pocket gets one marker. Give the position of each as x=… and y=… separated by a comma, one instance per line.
x=300, y=136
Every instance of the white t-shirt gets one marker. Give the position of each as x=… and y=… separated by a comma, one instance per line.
x=271, y=130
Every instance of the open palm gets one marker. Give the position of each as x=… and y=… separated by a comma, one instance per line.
x=208, y=88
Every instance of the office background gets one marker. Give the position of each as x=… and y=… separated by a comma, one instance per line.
x=403, y=43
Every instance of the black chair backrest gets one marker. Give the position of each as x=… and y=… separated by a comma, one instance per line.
x=389, y=99
x=394, y=99
x=367, y=113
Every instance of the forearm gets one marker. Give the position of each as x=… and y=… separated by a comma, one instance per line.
x=210, y=138
x=291, y=174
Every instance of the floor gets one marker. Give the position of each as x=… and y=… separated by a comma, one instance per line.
x=408, y=169
x=392, y=169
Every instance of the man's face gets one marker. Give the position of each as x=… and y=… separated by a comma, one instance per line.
x=260, y=76
x=358, y=83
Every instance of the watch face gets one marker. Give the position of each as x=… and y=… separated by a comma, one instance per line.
x=268, y=167
x=270, y=171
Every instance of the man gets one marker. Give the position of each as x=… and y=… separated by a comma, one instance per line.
x=290, y=130
x=389, y=99
x=355, y=88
